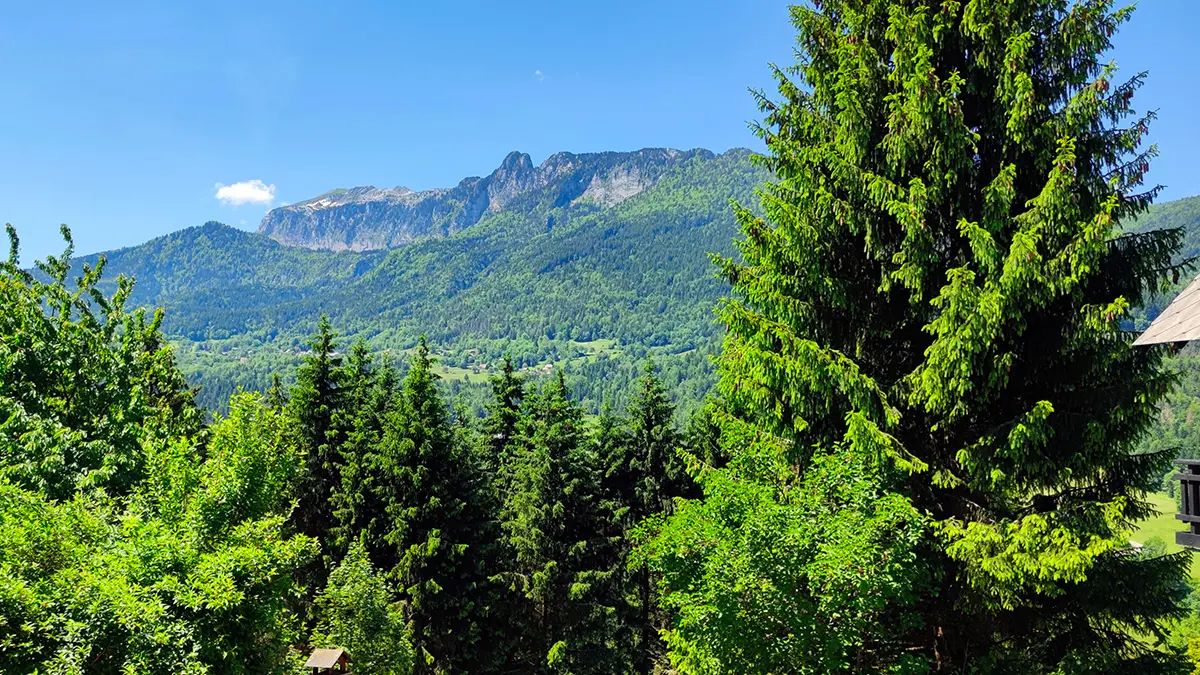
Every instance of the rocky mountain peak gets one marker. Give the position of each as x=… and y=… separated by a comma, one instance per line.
x=516, y=161
x=367, y=217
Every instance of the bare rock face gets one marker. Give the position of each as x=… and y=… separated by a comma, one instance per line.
x=618, y=185
x=368, y=218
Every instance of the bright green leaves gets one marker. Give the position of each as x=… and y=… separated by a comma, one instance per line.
x=207, y=583
x=251, y=468
x=358, y=614
x=774, y=573
x=83, y=382
x=131, y=539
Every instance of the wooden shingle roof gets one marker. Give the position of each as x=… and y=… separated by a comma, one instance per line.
x=1179, y=322
x=324, y=658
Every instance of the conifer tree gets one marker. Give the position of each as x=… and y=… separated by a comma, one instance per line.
x=276, y=396
x=659, y=473
x=315, y=401
x=436, y=525
x=497, y=443
x=503, y=415
x=358, y=378
x=554, y=522
x=370, y=393
x=929, y=314
x=646, y=474
x=701, y=436
x=611, y=441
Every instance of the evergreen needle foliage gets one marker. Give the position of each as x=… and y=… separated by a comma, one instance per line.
x=926, y=329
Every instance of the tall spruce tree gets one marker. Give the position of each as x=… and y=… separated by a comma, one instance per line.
x=643, y=474
x=701, y=436
x=315, y=401
x=503, y=414
x=276, y=397
x=497, y=443
x=926, y=328
x=370, y=394
x=436, y=528
x=555, y=524
x=611, y=441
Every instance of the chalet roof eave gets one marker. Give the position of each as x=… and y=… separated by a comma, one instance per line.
x=1179, y=322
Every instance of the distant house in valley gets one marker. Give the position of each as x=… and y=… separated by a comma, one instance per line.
x=329, y=661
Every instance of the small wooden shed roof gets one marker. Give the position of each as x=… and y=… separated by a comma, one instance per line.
x=1179, y=322
x=324, y=658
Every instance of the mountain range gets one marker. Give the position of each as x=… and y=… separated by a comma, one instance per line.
x=368, y=218
x=585, y=262
x=589, y=263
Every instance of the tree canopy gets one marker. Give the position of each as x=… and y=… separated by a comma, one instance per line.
x=934, y=298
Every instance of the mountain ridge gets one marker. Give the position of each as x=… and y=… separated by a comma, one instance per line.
x=370, y=218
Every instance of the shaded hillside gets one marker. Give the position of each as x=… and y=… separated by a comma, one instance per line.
x=1183, y=214
x=197, y=272
x=1178, y=428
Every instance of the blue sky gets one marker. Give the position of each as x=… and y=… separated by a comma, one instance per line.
x=123, y=121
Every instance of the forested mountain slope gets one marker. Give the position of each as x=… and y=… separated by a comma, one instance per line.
x=1178, y=428
x=1182, y=214
x=198, y=271
x=551, y=279
x=563, y=275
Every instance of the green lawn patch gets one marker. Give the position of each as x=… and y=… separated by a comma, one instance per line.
x=1164, y=526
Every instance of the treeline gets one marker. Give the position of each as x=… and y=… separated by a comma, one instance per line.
x=353, y=509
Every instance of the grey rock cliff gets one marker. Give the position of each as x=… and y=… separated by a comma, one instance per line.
x=368, y=218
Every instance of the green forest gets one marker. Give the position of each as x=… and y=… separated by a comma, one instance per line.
x=916, y=439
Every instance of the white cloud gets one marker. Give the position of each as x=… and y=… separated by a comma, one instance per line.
x=539, y=75
x=246, y=192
